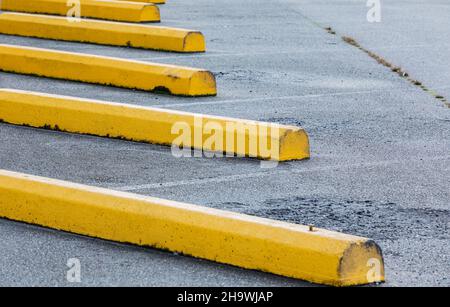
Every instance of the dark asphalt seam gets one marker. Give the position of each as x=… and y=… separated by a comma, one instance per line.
x=394, y=68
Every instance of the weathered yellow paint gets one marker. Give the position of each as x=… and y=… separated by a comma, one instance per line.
x=88, y=68
x=102, y=32
x=291, y=250
x=152, y=125
x=108, y=10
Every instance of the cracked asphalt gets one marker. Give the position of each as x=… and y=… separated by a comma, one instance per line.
x=380, y=145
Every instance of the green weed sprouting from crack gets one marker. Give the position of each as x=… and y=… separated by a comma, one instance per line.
x=396, y=69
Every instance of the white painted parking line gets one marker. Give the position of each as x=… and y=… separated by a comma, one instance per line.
x=218, y=54
x=214, y=102
x=235, y=54
x=260, y=174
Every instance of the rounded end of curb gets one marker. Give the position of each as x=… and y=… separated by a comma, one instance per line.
x=194, y=42
x=150, y=13
x=294, y=145
x=202, y=83
x=361, y=263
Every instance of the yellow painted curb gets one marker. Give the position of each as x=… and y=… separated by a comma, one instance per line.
x=177, y=80
x=152, y=125
x=290, y=250
x=102, y=32
x=108, y=10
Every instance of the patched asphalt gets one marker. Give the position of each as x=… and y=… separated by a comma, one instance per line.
x=380, y=145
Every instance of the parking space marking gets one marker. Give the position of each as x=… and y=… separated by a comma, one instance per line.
x=220, y=53
x=245, y=100
x=274, y=172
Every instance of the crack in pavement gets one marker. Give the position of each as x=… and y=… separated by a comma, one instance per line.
x=394, y=68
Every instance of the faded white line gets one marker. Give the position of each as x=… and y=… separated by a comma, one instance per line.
x=217, y=54
x=234, y=54
x=189, y=23
x=213, y=102
x=260, y=174
x=194, y=181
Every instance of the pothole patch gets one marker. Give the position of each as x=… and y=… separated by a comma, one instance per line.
x=365, y=218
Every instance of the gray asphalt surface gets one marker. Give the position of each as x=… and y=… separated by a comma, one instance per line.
x=380, y=145
x=413, y=33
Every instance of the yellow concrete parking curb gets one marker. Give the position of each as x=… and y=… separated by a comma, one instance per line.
x=102, y=32
x=177, y=80
x=152, y=125
x=108, y=10
x=315, y=255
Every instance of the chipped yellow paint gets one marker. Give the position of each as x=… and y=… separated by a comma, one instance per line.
x=318, y=256
x=178, y=80
x=153, y=125
x=108, y=10
x=102, y=32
